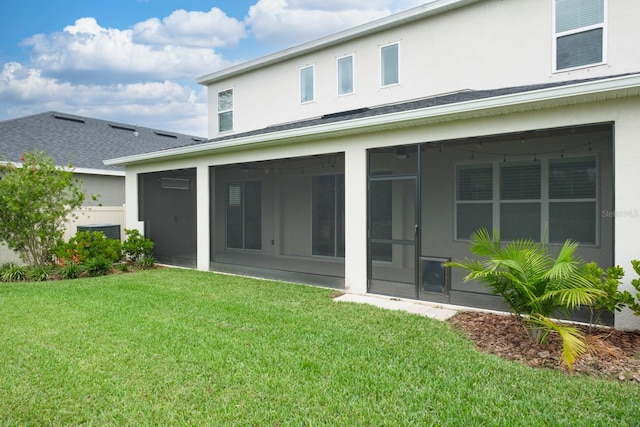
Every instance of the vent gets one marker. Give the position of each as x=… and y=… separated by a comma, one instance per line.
x=175, y=183
x=345, y=113
x=69, y=119
x=168, y=135
x=111, y=231
x=121, y=127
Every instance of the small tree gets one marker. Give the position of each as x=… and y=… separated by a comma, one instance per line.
x=35, y=202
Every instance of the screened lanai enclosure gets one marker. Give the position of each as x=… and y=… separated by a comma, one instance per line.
x=285, y=219
x=281, y=219
x=426, y=200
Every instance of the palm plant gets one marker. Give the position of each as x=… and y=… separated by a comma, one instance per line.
x=534, y=284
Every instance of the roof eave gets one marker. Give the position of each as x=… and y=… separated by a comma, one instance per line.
x=543, y=98
x=432, y=8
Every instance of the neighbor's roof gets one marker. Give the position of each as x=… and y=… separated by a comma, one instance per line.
x=429, y=110
x=82, y=141
x=430, y=8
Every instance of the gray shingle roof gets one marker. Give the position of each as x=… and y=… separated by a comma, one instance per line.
x=83, y=141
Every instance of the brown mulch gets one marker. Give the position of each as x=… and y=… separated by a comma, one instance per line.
x=612, y=354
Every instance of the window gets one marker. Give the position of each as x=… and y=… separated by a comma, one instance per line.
x=520, y=200
x=306, y=84
x=474, y=199
x=390, y=65
x=572, y=199
x=244, y=215
x=225, y=110
x=328, y=215
x=345, y=75
x=551, y=199
x=579, y=33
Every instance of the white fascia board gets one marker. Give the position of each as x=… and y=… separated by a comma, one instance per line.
x=545, y=98
x=433, y=7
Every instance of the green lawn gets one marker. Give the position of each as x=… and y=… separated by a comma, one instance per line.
x=180, y=347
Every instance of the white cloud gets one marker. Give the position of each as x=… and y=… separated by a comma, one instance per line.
x=291, y=22
x=213, y=29
x=163, y=105
x=90, y=53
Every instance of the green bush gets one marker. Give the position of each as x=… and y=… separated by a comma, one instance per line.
x=12, y=272
x=40, y=273
x=147, y=261
x=136, y=246
x=534, y=284
x=98, y=266
x=70, y=270
x=85, y=245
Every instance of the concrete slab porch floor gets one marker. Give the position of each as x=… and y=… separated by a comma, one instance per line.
x=422, y=308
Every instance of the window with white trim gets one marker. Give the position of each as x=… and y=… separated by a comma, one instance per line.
x=307, y=84
x=244, y=215
x=579, y=33
x=345, y=75
x=390, y=64
x=225, y=110
x=546, y=199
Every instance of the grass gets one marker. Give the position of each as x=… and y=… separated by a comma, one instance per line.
x=180, y=347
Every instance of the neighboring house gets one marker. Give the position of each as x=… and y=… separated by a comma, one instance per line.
x=364, y=159
x=85, y=143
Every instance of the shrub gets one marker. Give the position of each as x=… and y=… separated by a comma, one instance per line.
x=136, y=246
x=147, y=261
x=98, y=265
x=70, y=270
x=35, y=201
x=12, y=272
x=534, y=284
x=40, y=273
x=85, y=245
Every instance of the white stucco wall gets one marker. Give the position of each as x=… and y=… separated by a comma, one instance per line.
x=485, y=45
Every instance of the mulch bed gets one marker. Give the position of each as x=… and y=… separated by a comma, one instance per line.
x=612, y=354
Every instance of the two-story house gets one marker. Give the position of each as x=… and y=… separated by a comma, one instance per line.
x=365, y=159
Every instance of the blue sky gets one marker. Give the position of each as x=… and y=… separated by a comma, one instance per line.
x=136, y=61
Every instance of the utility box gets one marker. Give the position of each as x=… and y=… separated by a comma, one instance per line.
x=111, y=231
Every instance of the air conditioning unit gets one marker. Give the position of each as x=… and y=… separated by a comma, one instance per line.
x=111, y=231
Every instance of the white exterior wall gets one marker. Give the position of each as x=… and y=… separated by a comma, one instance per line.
x=489, y=44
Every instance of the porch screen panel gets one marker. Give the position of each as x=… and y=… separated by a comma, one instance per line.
x=253, y=215
x=381, y=219
x=572, y=199
x=328, y=215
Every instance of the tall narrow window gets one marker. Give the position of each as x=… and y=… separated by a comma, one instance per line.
x=345, y=75
x=474, y=199
x=520, y=200
x=306, y=84
x=225, y=110
x=390, y=65
x=579, y=33
x=328, y=215
x=572, y=199
x=244, y=215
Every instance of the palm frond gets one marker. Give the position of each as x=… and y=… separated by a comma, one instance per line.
x=573, y=344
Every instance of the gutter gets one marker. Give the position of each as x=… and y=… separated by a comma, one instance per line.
x=559, y=95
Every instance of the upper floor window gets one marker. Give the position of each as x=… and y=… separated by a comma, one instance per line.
x=390, y=64
x=225, y=110
x=345, y=75
x=579, y=33
x=307, y=83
